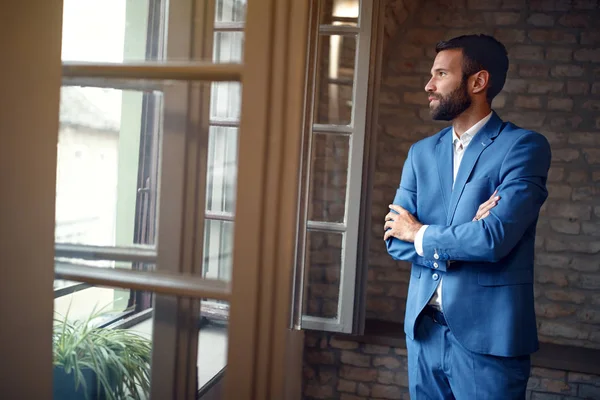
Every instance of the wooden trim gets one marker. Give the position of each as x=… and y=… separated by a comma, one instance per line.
x=196, y=71
x=164, y=283
x=383, y=333
x=567, y=358
x=552, y=356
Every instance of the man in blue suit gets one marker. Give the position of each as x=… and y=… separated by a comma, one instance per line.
x=465, y=216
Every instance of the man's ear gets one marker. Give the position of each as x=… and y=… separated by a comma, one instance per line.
x=480, y=81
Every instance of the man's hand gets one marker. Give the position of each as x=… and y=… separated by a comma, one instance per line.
x=484, y=208
x=403, y=225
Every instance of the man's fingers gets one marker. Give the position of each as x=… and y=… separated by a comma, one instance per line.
x=486, y=208
x=390, y=216
x=481, y=216
x=484, y=211
x=387, y=234
x=491, y=201
x=388, y=224
x=487, y=205
x=396, y=208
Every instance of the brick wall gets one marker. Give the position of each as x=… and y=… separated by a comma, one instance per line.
x=347, y=370
x=554, y=48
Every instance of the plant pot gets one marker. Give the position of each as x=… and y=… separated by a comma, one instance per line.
x=64, y=386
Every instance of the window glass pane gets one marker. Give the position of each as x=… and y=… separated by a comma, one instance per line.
x=110, y=30
x=328, y=177
x=230, y=10
x=226, y=96
x=339, y=12
x=218, y=250
x=222, y=169
x=228, y=47
x=88, y=344
x=225, y=101
x=107, y=167
x=335, y=79
x=323, y=263
x=212, y=340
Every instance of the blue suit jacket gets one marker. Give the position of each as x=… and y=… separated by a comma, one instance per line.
x=487, y=266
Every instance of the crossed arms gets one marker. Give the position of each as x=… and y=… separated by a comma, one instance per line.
x=498, y=225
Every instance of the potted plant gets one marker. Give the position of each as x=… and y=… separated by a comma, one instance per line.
x=92, y=362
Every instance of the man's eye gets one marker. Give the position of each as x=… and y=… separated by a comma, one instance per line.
x=441, y=73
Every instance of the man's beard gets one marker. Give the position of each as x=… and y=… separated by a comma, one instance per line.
x=452, y=105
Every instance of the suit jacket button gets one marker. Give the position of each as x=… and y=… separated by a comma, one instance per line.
x=435, y=265
x=435, y=277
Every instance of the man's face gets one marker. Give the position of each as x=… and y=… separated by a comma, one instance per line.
x=448, y=93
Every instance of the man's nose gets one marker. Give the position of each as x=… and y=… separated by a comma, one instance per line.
x=430, y=87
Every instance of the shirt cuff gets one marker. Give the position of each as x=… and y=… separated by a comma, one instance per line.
x=419, y=240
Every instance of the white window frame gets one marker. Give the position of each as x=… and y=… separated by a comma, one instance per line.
x=356, y=131
x=217, y=27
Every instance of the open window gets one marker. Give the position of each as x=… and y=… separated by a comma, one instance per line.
x=335, y=158
x=137, y=160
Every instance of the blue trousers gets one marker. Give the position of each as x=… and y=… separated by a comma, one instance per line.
x=439, y=367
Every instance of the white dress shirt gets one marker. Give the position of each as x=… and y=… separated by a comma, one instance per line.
x=460, y=145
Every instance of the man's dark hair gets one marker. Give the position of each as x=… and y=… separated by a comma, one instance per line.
x=481, y=52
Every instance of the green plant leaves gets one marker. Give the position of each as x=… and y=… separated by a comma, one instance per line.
x=119, y=358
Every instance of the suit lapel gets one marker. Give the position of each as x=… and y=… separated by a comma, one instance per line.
x=480, y=141
x=444, y=156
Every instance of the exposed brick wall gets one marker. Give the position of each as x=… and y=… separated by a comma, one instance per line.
x=554, y=48
x=347, y=370
x=323, y=261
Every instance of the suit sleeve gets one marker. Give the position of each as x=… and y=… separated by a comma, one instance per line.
x=523, y=176
x=406, y=197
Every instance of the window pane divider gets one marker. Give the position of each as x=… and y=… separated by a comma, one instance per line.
x=219, y=216
x=341, y=81
x=67, y=290
x=144, y=254
x=199, y=71
x=336, y=18
x=181, y=285
x=135, y=319
x=229, y=26
x=227, y=123
x=343, y=129
x=339, y=30
x=322, y=226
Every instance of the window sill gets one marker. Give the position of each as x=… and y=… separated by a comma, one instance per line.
x=550, y=355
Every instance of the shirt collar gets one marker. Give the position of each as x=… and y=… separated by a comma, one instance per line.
x=466, y=137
